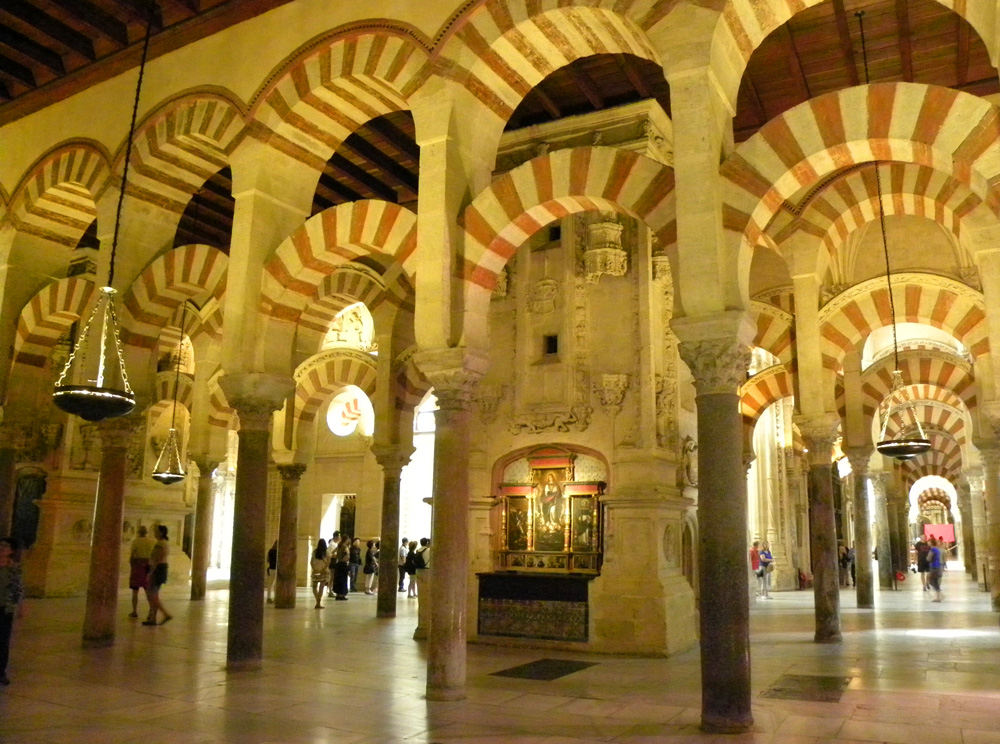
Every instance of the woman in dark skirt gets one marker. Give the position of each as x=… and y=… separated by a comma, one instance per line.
x=371, y=567
x=341, y=570
x=158, y=577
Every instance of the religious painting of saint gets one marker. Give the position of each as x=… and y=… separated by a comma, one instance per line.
x=583, y=524
x=517, y=524
x=549, y=508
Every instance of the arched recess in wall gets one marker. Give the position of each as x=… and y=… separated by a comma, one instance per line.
x=523, y=201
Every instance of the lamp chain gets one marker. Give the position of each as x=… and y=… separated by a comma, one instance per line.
x=128, y=146
x=177, y=374
x=881, y=212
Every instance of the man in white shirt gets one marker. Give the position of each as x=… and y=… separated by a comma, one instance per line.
x=401, y=567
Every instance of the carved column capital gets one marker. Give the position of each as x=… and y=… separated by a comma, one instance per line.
x=859, y=457
x=392, y=457
x=976, y=478
x=256, y=396
x=455, y=374
x=291, y=473
x=819, y=433
x=718, y=366
x=205, y=464
x=880, y=481
x=116, y=433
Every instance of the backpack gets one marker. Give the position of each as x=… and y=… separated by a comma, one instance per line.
x=418, y=560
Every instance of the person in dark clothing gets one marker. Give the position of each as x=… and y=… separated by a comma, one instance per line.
x=354, y=564
x=341, y=569
x=371, y=568
x=272, y=570
x=923, y=550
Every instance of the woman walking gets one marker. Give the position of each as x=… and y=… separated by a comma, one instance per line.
x=935, y=568
x=371, y=567
x=320, y=565
x=341, y=569
x=158, y=577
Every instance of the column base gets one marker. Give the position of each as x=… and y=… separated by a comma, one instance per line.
x=726, y=726
x=833, y=638
x=446, y=695
x=246, y=665
x=102, y=642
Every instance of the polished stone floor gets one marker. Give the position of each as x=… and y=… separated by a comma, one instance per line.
x=911, y=672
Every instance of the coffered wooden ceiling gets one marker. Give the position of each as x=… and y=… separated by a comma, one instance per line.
x=50, y=49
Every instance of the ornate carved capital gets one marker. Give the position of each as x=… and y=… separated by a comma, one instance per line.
x=611, y=390
x=392, y=457
x=859, y=458
x=489, y=398
x=819, y=433
x=291, y=473
x=718, y=366
x=255, y=413
x=256, y=396
x=116, y=433
x=206, y=465
x=455, y=374
x=880, y=481
x=976, y=478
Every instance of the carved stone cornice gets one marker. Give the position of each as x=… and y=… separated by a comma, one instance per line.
x=718, y=366
x=455, y=374
x=819, y=433
x=291, y=473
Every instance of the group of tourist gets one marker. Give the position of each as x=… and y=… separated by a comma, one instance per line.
x=148, y=571
x=931, y=562
x=335, y=566
x=762, y=565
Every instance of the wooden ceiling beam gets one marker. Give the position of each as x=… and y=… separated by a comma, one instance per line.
x=547, y=103
x=95, y=18
x=795, y=64
x=140, y=10
x=30, y=48
x=587, y=87
x=627, y=64
x=345, y=193
x=392, y=170
x=846, y=45
x=17, y=71
x=48, y=26
x=4, y=92
x=362, y=177
x=399, y=139
x=905, y=42
x=962, y=58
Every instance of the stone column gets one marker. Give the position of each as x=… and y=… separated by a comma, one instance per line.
x=255, y=398
x=8, y=477
x=393, y=458
x=976, y=487
x=101, y=611
x=288, y=536
x=897, y=526
x=818, y=433
x=454, y=373
x=864, y=583
x=991, y=467
x=968, y=537
x=884, y=543
x=718, y=364
x=201, y=550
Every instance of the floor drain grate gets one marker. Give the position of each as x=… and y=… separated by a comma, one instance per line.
x=545, y=669
x=808, y=687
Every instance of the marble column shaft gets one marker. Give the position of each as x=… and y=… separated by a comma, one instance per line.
x=968, y=537
x=864, y=582
x=823, y=532
x=246, y=585
x=717, y=367
x=991, y=491
x=201, y=550
x=392, y=460
x=884, y=545
x=976, y=487
x=100, y=614
x=449, y=549
x=288, y=536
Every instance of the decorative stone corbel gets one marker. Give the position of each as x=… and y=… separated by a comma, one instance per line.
x=611, y=392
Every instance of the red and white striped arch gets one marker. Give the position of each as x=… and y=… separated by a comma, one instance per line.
x=411, y=385
x=332, y=238
x=930, y=495
x=343, y=287
x=934, y=369
x=944, y=459
x=762, y=390
x=326, y=94
x=744, y=24
x=164, y=389
x=48, y=316
x=580, y=179
x=220, y=413
x=848, y=319
x=324, y=374
x=191, y=272
x=500, y=51
x=851, y=202
x=181, y=146
x=56, y=199
x=940, y=128
x=933, y=417
x=774, y=330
